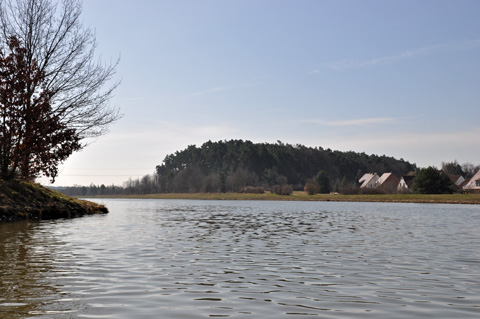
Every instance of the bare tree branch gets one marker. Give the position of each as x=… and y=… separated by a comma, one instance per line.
x=65, y=52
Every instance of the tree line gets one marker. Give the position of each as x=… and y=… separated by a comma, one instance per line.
x=428, y=180
x=244, y=166
x=467, y=170
x=236, y=164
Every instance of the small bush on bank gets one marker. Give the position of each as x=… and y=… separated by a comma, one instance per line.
x=311, y=188
x=349, y=190
x=253, y=190
x=404, y=191
x=282, y=189
x=372, y=191
x=354, y=190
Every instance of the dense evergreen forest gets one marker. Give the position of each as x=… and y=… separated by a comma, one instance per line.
x=238, y=165
x=235, y=164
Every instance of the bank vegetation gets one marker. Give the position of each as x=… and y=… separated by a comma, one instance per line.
x=20, y=200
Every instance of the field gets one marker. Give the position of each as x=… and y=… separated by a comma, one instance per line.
x=302, y=196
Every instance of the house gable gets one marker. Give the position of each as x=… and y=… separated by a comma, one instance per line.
x=473, y=186
x=406, y=182
x=388, y=182
x=368, y=180
x=457, y=180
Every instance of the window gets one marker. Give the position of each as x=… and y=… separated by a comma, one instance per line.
x=477, y=183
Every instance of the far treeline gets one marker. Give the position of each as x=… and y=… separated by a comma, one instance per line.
x=243, y=166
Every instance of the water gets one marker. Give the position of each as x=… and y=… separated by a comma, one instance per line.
x=245, y=259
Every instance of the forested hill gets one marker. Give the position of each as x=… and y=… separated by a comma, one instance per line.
x=230, y=165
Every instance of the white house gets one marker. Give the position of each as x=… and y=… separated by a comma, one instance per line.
x=473, y=186
x=406, y=183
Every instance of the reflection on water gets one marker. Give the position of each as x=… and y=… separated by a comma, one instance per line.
x=25, y=258
x=194, y=259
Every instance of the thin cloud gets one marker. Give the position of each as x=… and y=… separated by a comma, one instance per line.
x=135, y=98
x=213, y=90
x=421, y=147
x=355, y=122
x=406, y=55
x=362, y=122
x=262, y=77
x=424, y=148
x=225, y=88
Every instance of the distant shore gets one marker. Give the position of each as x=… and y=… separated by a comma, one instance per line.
x=303, y=196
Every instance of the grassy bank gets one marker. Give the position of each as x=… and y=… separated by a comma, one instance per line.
x=23, y=200
x=302, y=196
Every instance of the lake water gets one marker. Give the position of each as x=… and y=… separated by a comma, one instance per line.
x=245, y=259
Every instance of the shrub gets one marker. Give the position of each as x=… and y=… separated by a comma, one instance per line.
x=282, y=189
x=349, y=190
x=355, y=190
x=372, y=191
x=404, y=191
x=311, y=187
x=253, y=190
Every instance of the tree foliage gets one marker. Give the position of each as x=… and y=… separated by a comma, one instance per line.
x=467, y=170
x=243, y=163
x=237, y=165
x=63, y=51
x=432, y=181
x=323, y=182
x=311, y=187
x=52, y=95
x=452, y=168
x=33, y=139
x=470, y=169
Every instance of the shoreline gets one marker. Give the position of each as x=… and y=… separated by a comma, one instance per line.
x=29, y=201
x=471, y=199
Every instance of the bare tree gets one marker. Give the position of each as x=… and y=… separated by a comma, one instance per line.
x=64, y=50
x=32, y=139
x=470, y=169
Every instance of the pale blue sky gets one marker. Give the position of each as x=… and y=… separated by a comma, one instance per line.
x=400, y=78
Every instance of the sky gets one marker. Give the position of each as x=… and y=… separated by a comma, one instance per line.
x=395, y=78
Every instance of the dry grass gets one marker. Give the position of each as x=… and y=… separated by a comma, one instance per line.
x=303, y=196
x=23, y=200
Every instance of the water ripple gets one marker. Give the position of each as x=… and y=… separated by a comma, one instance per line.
x=194, y=259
